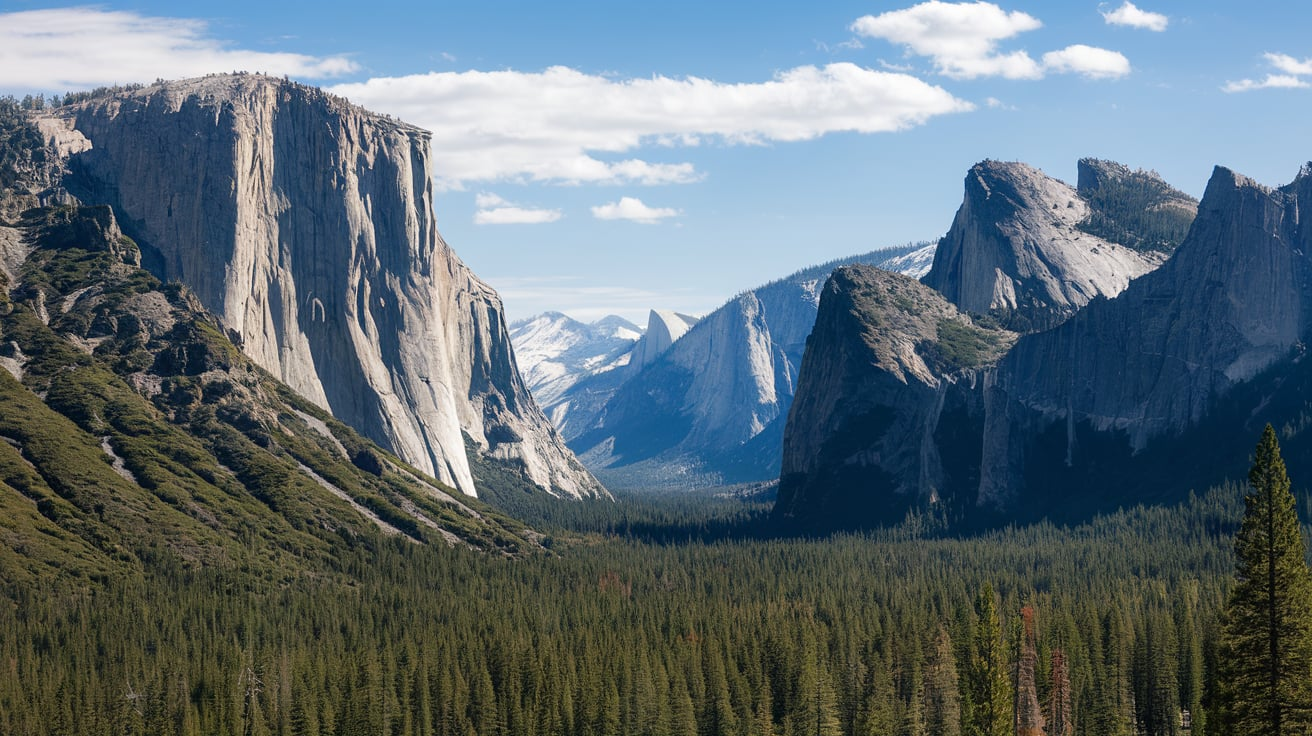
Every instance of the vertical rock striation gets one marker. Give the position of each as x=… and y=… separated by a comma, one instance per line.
x=1234, y=299
x=306, y=225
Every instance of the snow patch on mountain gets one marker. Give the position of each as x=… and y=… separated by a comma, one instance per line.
x=555, y=351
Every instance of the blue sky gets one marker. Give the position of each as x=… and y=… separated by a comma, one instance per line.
x=598, y=158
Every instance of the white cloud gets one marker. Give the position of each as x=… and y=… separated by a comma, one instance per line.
x=1289, y=65
x=1290, y=76
x=550, y=126
x=1272, y=81
x=1089, y=61
x=487, y=200
x=1131, y=15
x=961, y=38
x=78, y=48
x=631, y=208
x=493, y=210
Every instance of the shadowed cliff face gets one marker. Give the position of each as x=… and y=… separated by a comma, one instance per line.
x=1016, y=250
x=306, y=225
x=1231, y=302
x=1131, y=399
x=888, y=360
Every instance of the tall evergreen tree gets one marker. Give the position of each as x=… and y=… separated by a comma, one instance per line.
x=990, y=676
x=1268, y=635
x=942, y=699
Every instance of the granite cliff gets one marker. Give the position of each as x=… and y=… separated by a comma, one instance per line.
x=1110, y=404
x=890, y=381
x=664, y=328
x=710, y=409
x=306, y=226
x=134, y=432
x=1020, y=249
x=1154, y=362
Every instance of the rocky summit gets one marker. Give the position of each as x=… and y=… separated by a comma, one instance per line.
x=1020, y=249
x=305, y=224
x=1108, y=406
x=889, y=359
x=1155, y=362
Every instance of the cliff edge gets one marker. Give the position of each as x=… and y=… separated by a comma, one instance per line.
x=306, y=225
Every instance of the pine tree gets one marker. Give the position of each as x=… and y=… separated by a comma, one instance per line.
x=990, y=680
x=1268, y=635
x=942, y=700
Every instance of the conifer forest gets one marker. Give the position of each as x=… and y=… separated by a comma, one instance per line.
x=630, y=623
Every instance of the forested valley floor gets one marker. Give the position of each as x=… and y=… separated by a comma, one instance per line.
x=645, y=617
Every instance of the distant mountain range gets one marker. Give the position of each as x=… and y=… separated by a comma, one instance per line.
x=556, y=353
x=685, y=410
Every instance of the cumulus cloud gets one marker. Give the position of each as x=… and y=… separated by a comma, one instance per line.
x=961, y=38
x=1289, y=65
x=1088, y=61
x=493, y=210
x=1290, y=73
x=562, y=125
x=632, y=208
x=962, y=41
x=1131, y=15
x=78, y=48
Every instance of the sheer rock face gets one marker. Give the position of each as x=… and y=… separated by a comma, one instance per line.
x=664, y=328
x=709, y=392
x=1100, y=409
x=306, y=225
x=1234, y=299
x=711, y=408
x=887, y=360
x=1015, y=250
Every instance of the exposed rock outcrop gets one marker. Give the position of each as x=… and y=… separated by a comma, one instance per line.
x=1016, y=251
x=888, y=359
x=711, y=409
x=1234, y=299
x=1133, y=398
x=664, y=328
x=306, y=225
